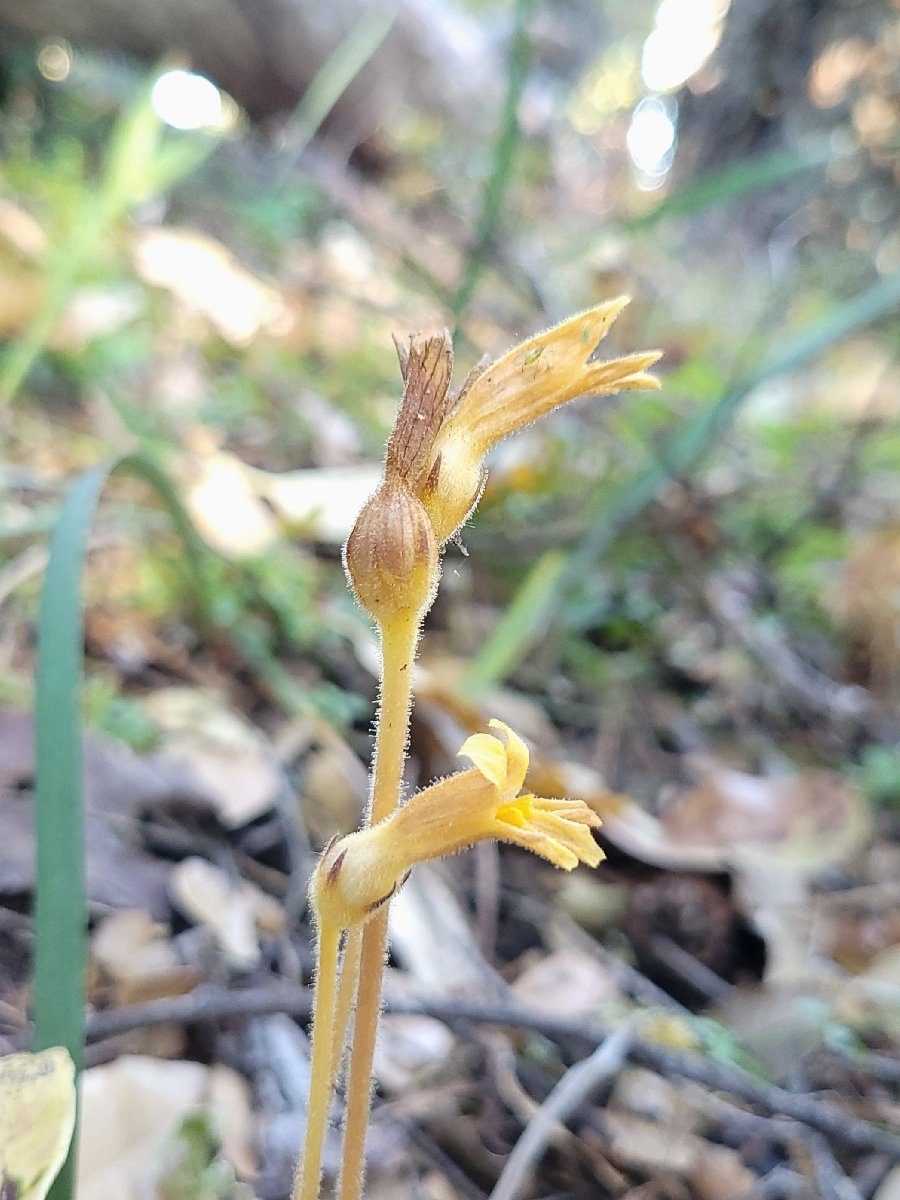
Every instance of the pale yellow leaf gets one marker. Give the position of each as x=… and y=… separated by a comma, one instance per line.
x=37, y=1116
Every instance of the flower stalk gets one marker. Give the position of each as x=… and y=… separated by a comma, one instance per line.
x=433, y=477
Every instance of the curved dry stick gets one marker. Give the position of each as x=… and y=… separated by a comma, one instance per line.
x=571, y=1091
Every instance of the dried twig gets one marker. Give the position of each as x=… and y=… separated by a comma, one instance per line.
x=808, y=1110
x=213, y=1003
x=575, y=1086
x=818, y=695
x=831, y=1181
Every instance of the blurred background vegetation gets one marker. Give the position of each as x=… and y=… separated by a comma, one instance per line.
x=208, y=266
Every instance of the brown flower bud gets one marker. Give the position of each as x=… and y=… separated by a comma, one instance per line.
x=392, y=556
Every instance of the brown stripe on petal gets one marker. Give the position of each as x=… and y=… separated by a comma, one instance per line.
x=370, y=908
x=335, y=869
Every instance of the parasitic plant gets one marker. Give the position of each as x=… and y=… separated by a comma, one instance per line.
x=434, y=474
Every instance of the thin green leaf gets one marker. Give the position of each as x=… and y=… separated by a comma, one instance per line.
x=517, y=628
x=736, y=182
x=331, y=81
x=60, y=903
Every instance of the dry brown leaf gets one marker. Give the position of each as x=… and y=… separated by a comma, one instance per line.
x=867, y=607
x=566, y=984
x=335, y=786
x=854, y=926
x=206, y=279
x=20, y=231
x=226, y=508
x=807, y=822
x=131, y=1108
x=230, y=1099
x=135, y=955
x=21, y=295
x=889, y=1188
x=322, y=503
x=643, y=1093
x=810, y=820
x=720, y=1172
x=643, y=1145
x=228, y=760
x=234, y=910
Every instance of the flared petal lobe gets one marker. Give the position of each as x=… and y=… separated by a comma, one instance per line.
x=530, y=381
x=360, y=872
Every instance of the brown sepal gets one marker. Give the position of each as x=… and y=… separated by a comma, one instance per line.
x=426, y=401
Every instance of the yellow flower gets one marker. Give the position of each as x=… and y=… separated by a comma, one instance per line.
x=501, y=398
x=434, y=466
x=358, y=873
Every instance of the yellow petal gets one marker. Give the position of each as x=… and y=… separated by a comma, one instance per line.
x=515, y=813
x=516, y=757
x=542, y=373
x=488, y=754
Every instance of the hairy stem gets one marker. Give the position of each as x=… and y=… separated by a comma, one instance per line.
x=398, y=647
x=346, y=998
x=362, y=1053
x=306, y=1183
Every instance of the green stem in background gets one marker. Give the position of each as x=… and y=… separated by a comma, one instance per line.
x=687, y=450
x=142, y=160
x=519, y=625
x=505, y=148
x=330, y=82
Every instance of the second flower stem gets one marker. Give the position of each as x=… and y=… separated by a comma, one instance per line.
x=398, y=647
x=362, y=1054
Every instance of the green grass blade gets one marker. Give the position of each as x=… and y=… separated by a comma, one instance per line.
x=60, y=902
x=718, y=188
x=138, y=163
x=331, y=81
x=736, y=182
x=60, y=907
x=60, y=894
x=517, y=628
x=687, y=449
